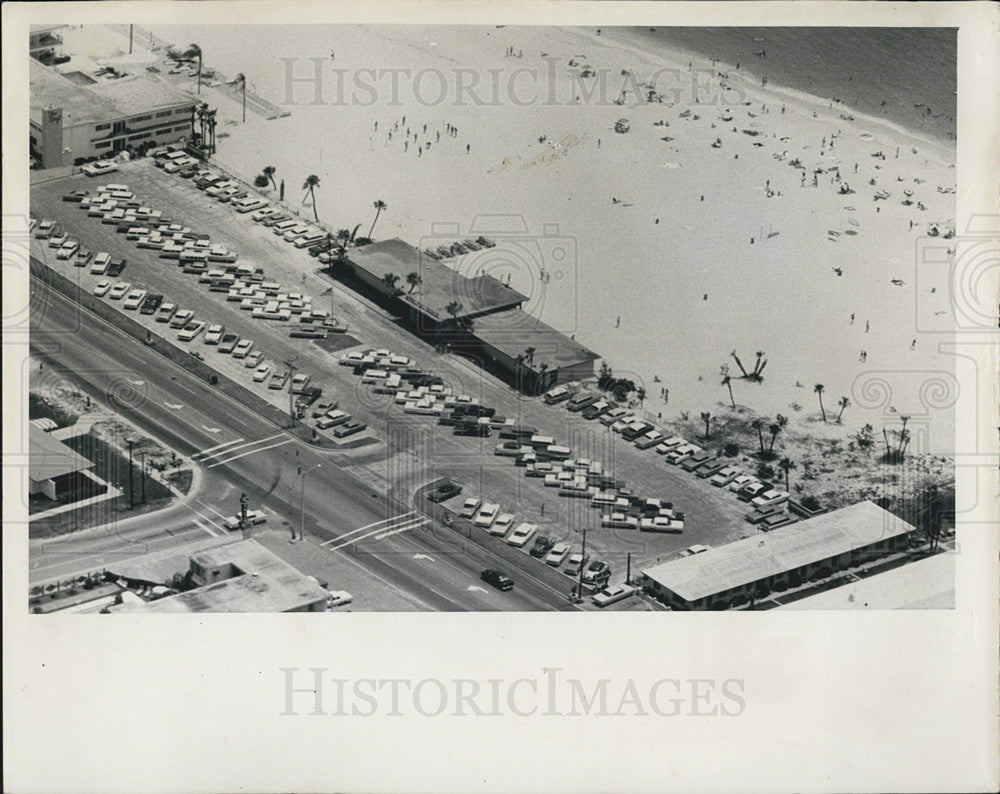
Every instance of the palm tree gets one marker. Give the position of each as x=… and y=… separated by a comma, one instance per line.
x=390, y=280
x=269, y=172
x=210, y=120
x=844, y=402
x=706, y=417
x=194, y=51
x=728, y=383
x=818, y=388
x=739, y=363
x=379, y=206
x=454, y=309
x=640, y=395
x=774, y=428
x=242, y=80
x=311, y=183
x=758, y=425
x=529, y=356
x=904, y=437
x=786, y=465
x=541, y=373
x=414, y=280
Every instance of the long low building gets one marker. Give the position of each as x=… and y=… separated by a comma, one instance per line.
x=51, y=464
x=732, y=574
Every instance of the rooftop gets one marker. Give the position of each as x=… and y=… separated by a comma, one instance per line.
x=439, y=285
x=924, y=584
x=267, y=584
x=759, y=557
x=50, y=458
x=106, y=100
x=513, y=331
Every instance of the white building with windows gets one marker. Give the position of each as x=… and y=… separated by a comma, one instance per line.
x=75, y=118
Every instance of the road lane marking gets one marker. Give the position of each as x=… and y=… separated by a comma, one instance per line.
x=251, y=452
x=174, y=406
x=369, y=526
x=211, y=429
x=423, y=557
x=210, y=532
x=201, y=452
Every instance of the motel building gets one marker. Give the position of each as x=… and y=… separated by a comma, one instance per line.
x=75, y=117
x=490, y=327
x=730, y=575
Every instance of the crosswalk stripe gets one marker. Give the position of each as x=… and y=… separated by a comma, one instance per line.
x=202, y=526
x=384, y=532
x=369, y=526
x=246, y=444
x=203, y=452
x=250, y=452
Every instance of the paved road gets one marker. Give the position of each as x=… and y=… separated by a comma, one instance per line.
x=343, y=514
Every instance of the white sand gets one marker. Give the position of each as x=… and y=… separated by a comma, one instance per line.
x=779, y=295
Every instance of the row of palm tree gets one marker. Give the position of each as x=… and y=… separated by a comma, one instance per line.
x=774, y=428
x=843, y=402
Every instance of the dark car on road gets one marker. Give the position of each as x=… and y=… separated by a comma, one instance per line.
x=543, y=545
x=445, y=491
x=473, y=429
x=151, y=304
x=499, y=580
x=115, y=267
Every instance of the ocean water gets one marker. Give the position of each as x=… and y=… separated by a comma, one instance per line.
x=906, y=75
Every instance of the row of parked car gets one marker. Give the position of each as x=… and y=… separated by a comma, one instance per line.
x=764, y=498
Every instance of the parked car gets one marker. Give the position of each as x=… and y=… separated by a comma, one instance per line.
x=521, y=534
x=770, y=498
x=260, y=374
x=575, y=564
x=332, y=418
x=99, y=168
x=503, y=523
x=470, y=507
x=752, y=490
x=338, y=598
x=243, y=348
x=620, y=521
x=557, y=554
x=612, y=594
x=68, y=249
x=191, y=330
x=740, y=480
x=166, y=312
x=543, y=545
x=228, y=343
x=116, y=266
x=214, y=334
x=278, y=380
x=487, y=515
x=499, y=580
x=695, y=549
x=134, y=299
x=181, y=318
x=722, y=478
x=83, y=257
x=120, y=290
x=253, y=360
x=349, y=428
x=299, y=382
x=597, y=573
x=102, y=288
x=445, y=491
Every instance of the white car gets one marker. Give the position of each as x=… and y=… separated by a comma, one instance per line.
x=191, y=330
x=299, y=382
x=503, y=523
x=740, y=481
x=214, y=334
x=557, y=554
x=135, y=298
x=768, y=498
x=487, y=515
x=620, y=521
x=100, y=167
x=262, y=213
x=253, y=359
x=120, y=290
x=521, y=535
x=253, y=517
x=613, y=593
x=723, y=478
x=338, y=598
x=260, y=374
x=102, y=288
x=181, y=318
x=243, y=348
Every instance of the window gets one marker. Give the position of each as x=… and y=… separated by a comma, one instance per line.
x=103, y=144
x=141, y=118
x=181, y=128
x=100, y=127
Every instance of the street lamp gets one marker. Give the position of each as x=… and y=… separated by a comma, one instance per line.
x=291, y=395
x=302, y=499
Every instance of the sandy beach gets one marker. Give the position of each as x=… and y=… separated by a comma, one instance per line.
x=757, y=218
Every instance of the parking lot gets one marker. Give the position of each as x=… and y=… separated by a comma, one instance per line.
x=415, y=449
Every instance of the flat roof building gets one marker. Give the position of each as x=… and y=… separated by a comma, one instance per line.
x=727, y=575
x=78, y=119
x=50, y=463
x=240, y=577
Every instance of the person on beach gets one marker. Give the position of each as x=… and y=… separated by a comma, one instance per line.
x=852, y=318
x=867, y=326
x=618, y=322
x=913, y=345
x=468, y=148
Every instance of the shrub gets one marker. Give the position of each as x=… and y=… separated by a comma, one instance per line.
x=810, y=503
x=732, y=449
x=261, y=181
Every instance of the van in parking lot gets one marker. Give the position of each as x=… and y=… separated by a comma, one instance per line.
x=541, y=442
x=249, y=204
x=558, y=394
x=309, y=239
x=284, y=226
x=556, y=452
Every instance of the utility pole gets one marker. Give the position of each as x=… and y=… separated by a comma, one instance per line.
x=244, y=526
x=142, y=479
x=583, y=563
x=131, y=495
x=628, y=568
x=291, y=397
x=302, y=499
x=129, y=39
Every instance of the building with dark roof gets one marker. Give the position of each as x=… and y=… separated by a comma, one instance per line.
x=51, y=464
x=820, y=546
